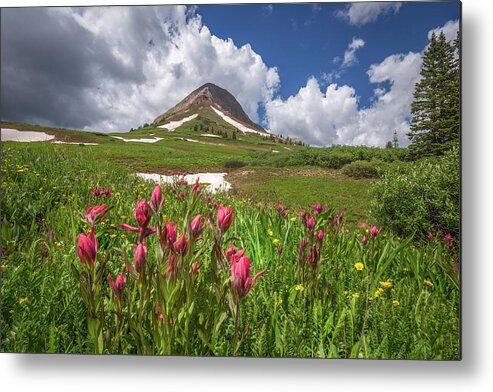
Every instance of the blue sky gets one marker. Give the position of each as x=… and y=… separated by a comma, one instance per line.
x=330, y=73
x=302, y=40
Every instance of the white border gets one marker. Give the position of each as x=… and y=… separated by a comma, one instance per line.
x=82, y=373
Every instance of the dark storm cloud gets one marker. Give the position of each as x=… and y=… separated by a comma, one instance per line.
x=49, y=63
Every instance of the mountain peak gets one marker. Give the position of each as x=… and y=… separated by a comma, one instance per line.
x=212, y=95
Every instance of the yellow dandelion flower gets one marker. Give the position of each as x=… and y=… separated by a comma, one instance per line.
x=22, y=300
x=293, y=219
x=359, y=266
x=395, y=302
x=299, y=287
x=428, y=283
x=270, y=232
x=276, y=242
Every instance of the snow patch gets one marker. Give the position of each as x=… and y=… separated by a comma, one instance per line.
x=210, y=135
x=172, y=125
x=275, y=151
x=215, y=181
x=14, y=135
x=85, y=144
x=142, y=140
x=235, y=123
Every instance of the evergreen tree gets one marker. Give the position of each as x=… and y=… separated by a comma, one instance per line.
x=389, y=145
x=435, y=111
x=395, y=140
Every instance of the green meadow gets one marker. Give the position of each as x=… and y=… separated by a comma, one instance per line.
x=331, y=285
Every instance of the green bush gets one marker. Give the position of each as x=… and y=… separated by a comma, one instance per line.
x=419, y=197
x=234, y=164
x=361, y=169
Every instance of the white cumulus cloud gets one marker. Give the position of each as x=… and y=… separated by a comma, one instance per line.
x=362, y=13
x=334, y=116
x=449, y=29
x=350, y=53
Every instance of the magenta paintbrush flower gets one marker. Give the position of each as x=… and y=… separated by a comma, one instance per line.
x=96, y=192
x=141, y=213
x=280, y=208
x=181, y=246
x=310, y=224
x=157, y=198
x=318, y=208
x=170, y=234
x=232, y=255
x=374, y=231
x=241, y=282
x=320, y=235
x=196, y=187
x=140, y=256
x=303, y=215
x=224, y=218
x=95, y=214
x=87, y=248
x=117, y=285
x=195, y=226
x=142, y=216
x=364, y=240
x=106, y=192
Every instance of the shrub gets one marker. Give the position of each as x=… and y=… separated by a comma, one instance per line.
x=420, y=197
x=234, y=164
x=361, y=169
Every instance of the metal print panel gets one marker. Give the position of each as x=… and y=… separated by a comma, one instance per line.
x=262, y=180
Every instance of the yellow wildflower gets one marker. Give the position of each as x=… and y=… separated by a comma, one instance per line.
x=4, y=267
x=395, y=302
x=112, y=235
x=276, y=242
x=355, y=295
x=428, y=283
x=293, y=219
x=279, y=302
x=299, y=287
x=22, y=300
x=359, y=266
x=379, y=292
x=386, y=285
x=270, y=233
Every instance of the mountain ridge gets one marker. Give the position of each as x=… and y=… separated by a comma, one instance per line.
x=214, y=96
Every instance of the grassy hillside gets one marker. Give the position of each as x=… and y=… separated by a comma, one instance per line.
x=258, y=167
